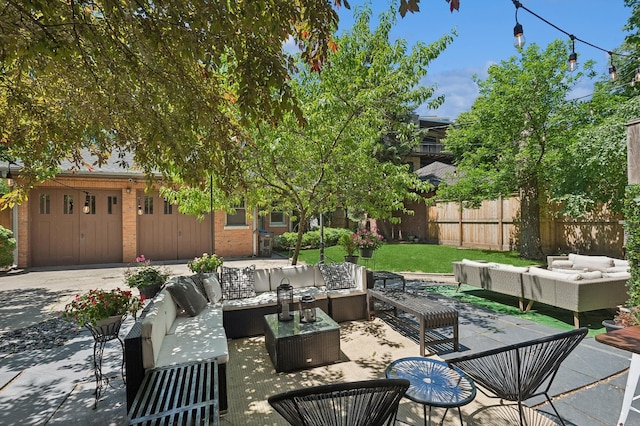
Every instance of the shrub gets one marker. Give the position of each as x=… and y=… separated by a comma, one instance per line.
x=287, y=241
x=7, y=246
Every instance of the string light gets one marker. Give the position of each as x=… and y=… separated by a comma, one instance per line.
x=518, y=32
x=573, y=56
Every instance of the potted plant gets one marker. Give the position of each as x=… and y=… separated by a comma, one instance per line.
x=207, y=263
x=626, y=317
x=102, y=311
x=368, y=240
x=148, y=279
x=348, y=243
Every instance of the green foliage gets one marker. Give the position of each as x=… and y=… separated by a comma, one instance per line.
x=347, y=108
x=172, y=84
x=348, y=244
x=632, y=227
x=205, y=263
x=145, y=274
x=95, y=305
x=511, y=139
x=7, y=246
x=310, y=239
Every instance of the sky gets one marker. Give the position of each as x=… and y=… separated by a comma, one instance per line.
x=485, y=37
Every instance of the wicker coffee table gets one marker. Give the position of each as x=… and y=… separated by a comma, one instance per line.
x=293, y=345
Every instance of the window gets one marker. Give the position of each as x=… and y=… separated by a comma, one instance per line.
x=148, y=205
x=45, y=204
x=112, y=200
x=239, y=218
x=276, y=218
x=67, y=204
x=168, y=207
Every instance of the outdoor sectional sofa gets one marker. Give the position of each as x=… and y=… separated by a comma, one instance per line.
x=175, y=328
x=576, y=283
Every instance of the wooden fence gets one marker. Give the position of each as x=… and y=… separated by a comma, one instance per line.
x=494, y=226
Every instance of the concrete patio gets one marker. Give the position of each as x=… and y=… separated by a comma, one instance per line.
x=55, y=386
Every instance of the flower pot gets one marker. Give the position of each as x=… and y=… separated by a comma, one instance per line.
x=610, y=325
x=149, y=291
x=352, y=259
x=106, y=328
x=367, y=253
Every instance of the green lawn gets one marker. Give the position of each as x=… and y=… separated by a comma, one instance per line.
x=417, y=257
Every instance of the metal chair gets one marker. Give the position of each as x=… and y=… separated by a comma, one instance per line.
x=363, y=403
x=517, y=372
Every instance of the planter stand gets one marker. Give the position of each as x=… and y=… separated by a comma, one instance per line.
x=104, y=331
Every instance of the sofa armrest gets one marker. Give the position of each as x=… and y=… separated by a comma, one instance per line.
x=133, y=362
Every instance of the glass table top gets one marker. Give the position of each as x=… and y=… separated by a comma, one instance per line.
x=294, y=327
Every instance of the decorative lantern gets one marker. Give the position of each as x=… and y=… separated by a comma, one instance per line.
x=285, y=300
x=307, y=309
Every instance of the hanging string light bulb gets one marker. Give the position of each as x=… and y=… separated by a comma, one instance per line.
x=573, y=56
x=518, y=32
x=612, y=68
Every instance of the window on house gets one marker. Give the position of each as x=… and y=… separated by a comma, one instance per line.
x=67, y=204
x=148, y=205
x=45, y=204
x=168, y=207
x=111, y=201
x=276, y=218
x=239, y=218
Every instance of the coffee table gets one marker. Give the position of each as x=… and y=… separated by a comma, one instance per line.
x=293, y=345
x=433, y=383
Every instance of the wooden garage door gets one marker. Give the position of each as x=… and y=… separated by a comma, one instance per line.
x=166, y=234
x=62, y=234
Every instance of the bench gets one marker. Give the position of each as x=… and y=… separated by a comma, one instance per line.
x=185, y=394
x=430, y=315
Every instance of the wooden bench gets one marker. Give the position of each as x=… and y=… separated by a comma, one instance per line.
x=184, y=394
x=430, y=315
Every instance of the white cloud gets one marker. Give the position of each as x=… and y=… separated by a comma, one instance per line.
x=458, y=88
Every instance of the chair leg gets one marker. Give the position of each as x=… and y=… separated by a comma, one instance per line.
x=554, y=409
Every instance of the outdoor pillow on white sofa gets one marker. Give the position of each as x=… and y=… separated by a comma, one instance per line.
x=598, y=263
x=616, y=275
x=511, y=268
x=545, y=273
x=561, y=264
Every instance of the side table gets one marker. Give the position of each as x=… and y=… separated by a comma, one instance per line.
x=627, y=339
x=433, y=383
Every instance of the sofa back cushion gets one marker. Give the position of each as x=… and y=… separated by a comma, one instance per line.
x=592, y=263
x=298, y=276
x=238, y=283
x=186, y=295
x=545, y=273
x=155, y=325
x=262, y=283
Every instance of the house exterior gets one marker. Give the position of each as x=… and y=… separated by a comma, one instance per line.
x=104, y=215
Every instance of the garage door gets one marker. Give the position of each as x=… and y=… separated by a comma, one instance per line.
x=166, y=234
x=62, y=233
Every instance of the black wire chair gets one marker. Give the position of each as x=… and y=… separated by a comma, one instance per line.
x=364, y=403
x=517, y=372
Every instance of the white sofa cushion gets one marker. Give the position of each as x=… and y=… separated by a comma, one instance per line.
x=479, y=264
x=545, y=273
x=195, y=339
x=155, y=325
x=592, y=263
x=511, y=268
x=590, y=275
x=561, y=264
x=618, y=269
x=626, y=275
x=298, y=276
x=621, y=262
x=212, y=289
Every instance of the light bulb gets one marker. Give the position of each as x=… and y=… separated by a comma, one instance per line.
x=573, y=62
x=613, y=73
x=518, y=37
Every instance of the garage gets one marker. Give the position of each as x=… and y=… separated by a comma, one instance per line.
x=73, y=227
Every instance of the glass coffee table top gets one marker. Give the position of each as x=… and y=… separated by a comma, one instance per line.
x=294, y=327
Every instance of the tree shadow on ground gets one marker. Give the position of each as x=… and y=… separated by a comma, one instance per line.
x=21, y=308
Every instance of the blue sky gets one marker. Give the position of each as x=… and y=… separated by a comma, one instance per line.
x=485, y=37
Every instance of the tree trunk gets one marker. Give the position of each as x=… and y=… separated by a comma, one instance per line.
x=302, y=220
x=530, y=242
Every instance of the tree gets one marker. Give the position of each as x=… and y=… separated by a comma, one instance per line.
x=347, y=109
x=509, y=141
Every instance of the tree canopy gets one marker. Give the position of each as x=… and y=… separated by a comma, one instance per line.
x=511, y=138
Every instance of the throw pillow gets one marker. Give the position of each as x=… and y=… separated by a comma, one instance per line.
x=238, y=283
x=185, y=294
x=198, y=280
x=337, y=276
x=213, y=289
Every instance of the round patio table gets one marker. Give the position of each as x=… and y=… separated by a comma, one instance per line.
x=433, y=383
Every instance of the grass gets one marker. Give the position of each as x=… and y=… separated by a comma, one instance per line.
x=429, y=258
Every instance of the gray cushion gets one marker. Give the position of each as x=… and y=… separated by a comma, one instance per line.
x=187, y=296
x=337, y=276
x=238, y=283
x=198, y=280
x=213, y=289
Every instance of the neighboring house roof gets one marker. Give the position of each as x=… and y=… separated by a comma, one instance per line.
x=437, y=172
x=112, y=167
